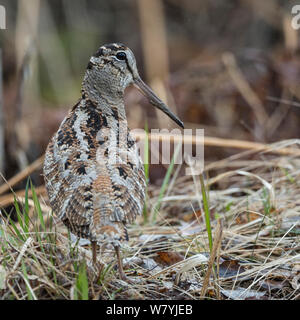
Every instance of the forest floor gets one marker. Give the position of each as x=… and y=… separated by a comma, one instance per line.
x=254, y=210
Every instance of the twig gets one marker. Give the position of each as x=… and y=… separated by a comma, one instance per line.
x=22, y=175
x=284, y=101
x=219, y=142
x=9, y=198
x=24, y=248
x=245, y=89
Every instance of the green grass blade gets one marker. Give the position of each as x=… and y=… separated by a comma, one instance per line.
x=19, y=214
x=82, y=286
x=30, y=297
x=38, y=207
x=21, y=217
x=206, y=212
x=15, y=228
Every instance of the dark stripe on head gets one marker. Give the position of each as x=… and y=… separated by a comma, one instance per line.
x=99, y=53
x=111, y=46
x=128, y=66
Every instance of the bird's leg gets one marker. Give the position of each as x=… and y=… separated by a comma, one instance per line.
x=120, y=264
x=98, y=266
x=94, y=251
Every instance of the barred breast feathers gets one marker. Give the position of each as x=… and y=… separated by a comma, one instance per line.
x=81, y=177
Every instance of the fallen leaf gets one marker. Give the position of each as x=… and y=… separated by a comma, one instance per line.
x=230, y=268
x=168, y=257
x=246, y=217
x=146, y=263
x=244, y=294
x=188, y=229
x=190, y=263
x=273, y=285
x=290, y=222
x=187, y=217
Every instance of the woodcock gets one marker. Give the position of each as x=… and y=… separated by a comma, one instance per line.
x=93, y=173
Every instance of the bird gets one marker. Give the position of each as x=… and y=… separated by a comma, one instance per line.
x=93, y=173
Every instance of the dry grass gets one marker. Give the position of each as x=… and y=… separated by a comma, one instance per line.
x=254, y=206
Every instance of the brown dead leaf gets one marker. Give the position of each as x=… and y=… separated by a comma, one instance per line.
x=211, y=292
x=187, y=217
x=246, y=217
x=273, y=285
x=168, y=257
x=230, y=268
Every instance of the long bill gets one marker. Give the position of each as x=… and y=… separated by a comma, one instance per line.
x=154, y=100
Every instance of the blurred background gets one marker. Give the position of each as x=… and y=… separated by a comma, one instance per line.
x=231, y=67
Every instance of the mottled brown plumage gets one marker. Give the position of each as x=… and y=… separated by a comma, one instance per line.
x=93, y=173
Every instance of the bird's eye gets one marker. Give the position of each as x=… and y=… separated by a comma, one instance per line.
x=121, y=55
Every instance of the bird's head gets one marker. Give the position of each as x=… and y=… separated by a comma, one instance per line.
x=112, y=69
